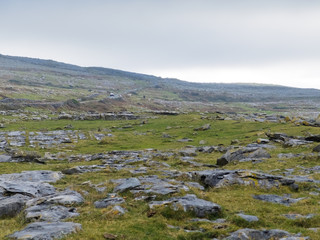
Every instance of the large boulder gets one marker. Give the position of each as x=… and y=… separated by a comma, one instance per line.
x=190, y=202
x=11, y=206
x=46, y=231
x=243, y=154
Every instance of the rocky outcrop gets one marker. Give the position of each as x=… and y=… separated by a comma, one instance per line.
x=243, y=154
x=223, y=178
x=190, y=202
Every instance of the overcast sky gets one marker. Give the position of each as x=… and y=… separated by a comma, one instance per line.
x=261, y=41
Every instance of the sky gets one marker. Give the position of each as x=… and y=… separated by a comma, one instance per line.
x=248, y=41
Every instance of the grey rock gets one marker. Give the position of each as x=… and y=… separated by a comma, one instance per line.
x=33, y=176
x=295, y=142
x=153, y=184
x=222, y=178
x=219, y=220
x=242, y=154
x=46, y=230
x=277, y=136
x=126, y=184
x=11, y=206
x=248, y=218
x=316, y=149
x=252, y=234
x=187, y=152
x=5, y=158
x=314, y=138
x=31, y=189
x=298, y=216
x=195, y=185
x=67, y=197
x=277, y=199
x=109, y=202
x=203, y=128
x=190, y=202
x=118, y=210
x=52, y=213
x=185, y=140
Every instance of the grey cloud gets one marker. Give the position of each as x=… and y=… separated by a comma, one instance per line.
x=149, y=34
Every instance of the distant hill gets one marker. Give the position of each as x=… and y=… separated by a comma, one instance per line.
x=50, y=81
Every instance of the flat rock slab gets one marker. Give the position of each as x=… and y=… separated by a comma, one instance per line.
x=298, y=216
x=33, y=176
x=252, y=234
x=126, y=184
x=190, y=202
x=287, y=201
x=50, y=213
x=110, y=201
x=155, y=185
x=67, y=197
x=31, y=189
x=46, y=231
x=5, y=158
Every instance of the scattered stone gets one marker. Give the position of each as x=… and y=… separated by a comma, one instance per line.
x=109, y=236
x=110, y=201
x=46, y=230
x=252, y=234
x=263, y=141
x=190, y=202
x=298, y=216
x=315, y=149
x=287, y=201
x=248, y=218
x=313, y=138
x=118, y=210
x=235, y=141
x=203, y=128
x=185, y=140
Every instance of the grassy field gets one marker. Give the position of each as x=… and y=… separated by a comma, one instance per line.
x=148, y=133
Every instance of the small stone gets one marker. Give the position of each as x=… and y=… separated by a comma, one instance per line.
x=109, y=236
x=248, y=218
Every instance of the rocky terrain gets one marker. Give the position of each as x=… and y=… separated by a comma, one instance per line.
x=95, y=153
x=159, y=175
